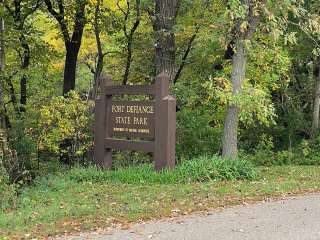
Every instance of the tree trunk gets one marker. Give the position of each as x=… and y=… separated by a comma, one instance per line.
x=2, y=44
x=69, y=82
x=97, y=74
x=3, y=124
x=165, y=46
x=23, y=93
x=230, y=135
x=316, y=103
x=72, y=43
x=24, y=66
x=129, y=61
x=100, y=58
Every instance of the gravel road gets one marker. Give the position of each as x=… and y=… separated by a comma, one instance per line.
x=296, y=218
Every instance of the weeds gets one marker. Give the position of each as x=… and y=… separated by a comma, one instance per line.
x=201, y=169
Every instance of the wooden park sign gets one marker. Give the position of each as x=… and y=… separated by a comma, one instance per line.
x=148, y=126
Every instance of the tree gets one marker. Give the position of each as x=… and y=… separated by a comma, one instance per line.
x=308, y=25
x=2, y=41
x=129, y=34
x=2, y=68
x=58, y=9
x=244, y=28
x=163, y=21
x=316, y=102
x=100, y=56
x=247, y=16
x=20, y=10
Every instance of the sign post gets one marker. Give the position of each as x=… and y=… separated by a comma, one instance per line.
x=153, y=123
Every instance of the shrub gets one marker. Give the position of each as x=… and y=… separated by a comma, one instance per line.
x=263, y=153
x=195, y=136
x=304, y=153
x=10, y=167
x=307, y=153
x=201, y=169
x=65, y=127
x=23, y=147
x=7, y=190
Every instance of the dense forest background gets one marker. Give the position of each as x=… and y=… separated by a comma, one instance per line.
x=245, y=73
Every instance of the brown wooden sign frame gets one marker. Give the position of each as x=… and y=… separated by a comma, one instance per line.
x=163, y=144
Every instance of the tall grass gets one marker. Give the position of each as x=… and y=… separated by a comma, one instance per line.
x=196, y=170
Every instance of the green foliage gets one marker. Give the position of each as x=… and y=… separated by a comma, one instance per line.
x=66, y=119
x=276, y=101
x=7, y=190
x=195, y=135
x=200, y=169
x=307, y=153
x=24, y=144
x=263, y=154
x=12, y=170
x=303, y=154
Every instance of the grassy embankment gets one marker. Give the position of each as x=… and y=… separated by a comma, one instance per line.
x=87, y=199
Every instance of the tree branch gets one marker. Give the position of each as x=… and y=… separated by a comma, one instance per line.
x=34, y=8
x=130, y=40
x=315, y=41
x=60, y=18
x=80, y=22
x=8, y=8
x=177, y=8
x=186, y=54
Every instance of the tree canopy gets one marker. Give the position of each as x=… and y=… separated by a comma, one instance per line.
x=245, y=73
